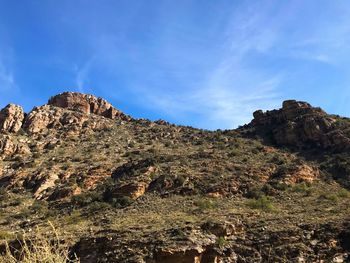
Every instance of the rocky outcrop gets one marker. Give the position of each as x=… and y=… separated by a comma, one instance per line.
x=40, y=119
x=141, y=176
x=301, y=125
x=189, y=245
x=72, y=111
x=86, y=104
x=296, y=174
x=11, y=118
x=9, y=147
x=304, y=243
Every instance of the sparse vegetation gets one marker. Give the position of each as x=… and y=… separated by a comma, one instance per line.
x=263, y=203
x=206, y=204
x=176, y=179
x=38, y=248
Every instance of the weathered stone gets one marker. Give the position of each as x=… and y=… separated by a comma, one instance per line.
x=86, y=104
x=9, y=147
x=131, y=190
x=302, y=173
x=40, y=119
x=301, y=125
x=11, y=118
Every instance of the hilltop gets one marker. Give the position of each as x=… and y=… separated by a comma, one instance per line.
x=134, y=190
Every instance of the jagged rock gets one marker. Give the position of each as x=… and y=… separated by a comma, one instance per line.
x=140, y=171
x=86, y=104
x=11, y=118
x=303, y=173
x=40, y=119
x=297, y=174
x=301, y=125
x=60, y=193
x=223, y=229
x=9, y=147
x=44, y=183
x=132, y=190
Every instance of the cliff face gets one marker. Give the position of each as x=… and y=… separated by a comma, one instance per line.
x=133, y=190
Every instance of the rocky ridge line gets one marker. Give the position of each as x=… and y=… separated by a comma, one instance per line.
x=300, y=125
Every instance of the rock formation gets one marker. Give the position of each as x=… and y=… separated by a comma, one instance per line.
x=11, y=118
x=86, y=104
x=300, y=125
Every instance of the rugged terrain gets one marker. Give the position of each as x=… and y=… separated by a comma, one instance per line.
x=131, y=190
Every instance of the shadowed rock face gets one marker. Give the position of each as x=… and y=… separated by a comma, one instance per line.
x=301, y=125
x=11, y=118
x=86, y=104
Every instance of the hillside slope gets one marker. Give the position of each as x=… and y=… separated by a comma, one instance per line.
x=133, y=190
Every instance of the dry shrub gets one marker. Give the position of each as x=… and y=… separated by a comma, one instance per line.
x=39, y=248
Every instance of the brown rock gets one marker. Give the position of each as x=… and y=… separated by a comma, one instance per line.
x=299, y=124
x=132, y=190
x=43, y=184
x=303, y=173
x=11, y=118
x=9, y=147
x=86, y=104
x=40, y=119
x=141, y=172
x=223, y=229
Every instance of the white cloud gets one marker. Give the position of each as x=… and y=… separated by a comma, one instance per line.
x=82, y=74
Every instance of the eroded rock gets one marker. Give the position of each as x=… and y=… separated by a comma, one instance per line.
x=300, y=125
x=9, y=147
x=40, y=119
x=86, y=104
x=11, y=118
x=134, y=187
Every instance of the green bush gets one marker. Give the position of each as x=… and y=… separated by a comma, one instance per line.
x=86, y=198
x=263, y=203
x=343, y=193
x=302, y=188
x=329, y=197
x=221, y=242
x=206, y=204
x=121, y=202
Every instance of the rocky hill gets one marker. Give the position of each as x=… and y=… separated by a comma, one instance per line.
x=132, y=190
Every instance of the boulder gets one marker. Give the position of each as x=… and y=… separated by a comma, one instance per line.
x=11, y=118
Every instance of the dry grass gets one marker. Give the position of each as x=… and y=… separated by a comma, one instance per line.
x=42, y=248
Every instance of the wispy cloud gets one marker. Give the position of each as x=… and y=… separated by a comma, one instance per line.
x=82, y=74
x=231, y=89
x=211, y=72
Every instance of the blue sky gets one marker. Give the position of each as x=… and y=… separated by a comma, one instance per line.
x=204, y=63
